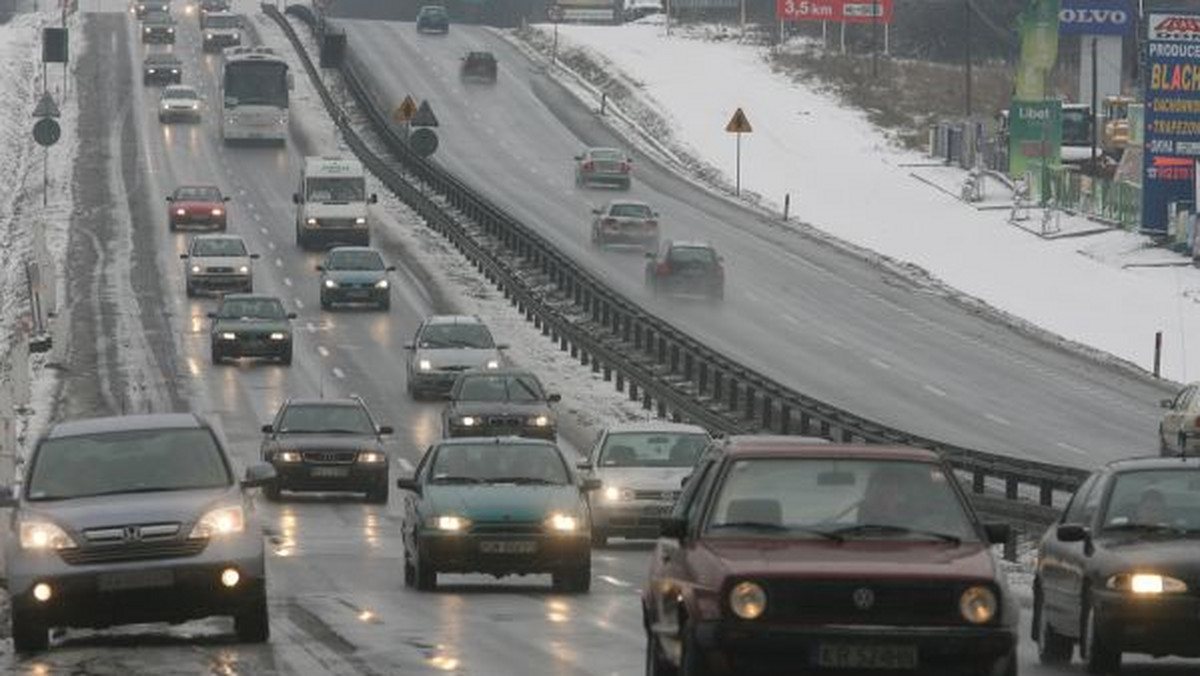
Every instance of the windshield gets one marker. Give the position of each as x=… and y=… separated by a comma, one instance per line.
x=691, y=254
x=326, y=418
x=473, y=336
x=221, y=22
x=127, y=461
x=340, y=189
x=514, y=388
x=354, y=260
x=162, y=61
x=198, y=194
x=492, y=462
x=262, y=308
x=261, y=83
x=853, y=498
x=180, y=93
x=652, y=449
x=630, y=211
x=1155, y=498
x=224, y=246
x=607, y=155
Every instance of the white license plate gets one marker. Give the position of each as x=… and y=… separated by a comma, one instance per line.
x=330, y=472
x=507, y=547
x=855, y=656
x=135, y=579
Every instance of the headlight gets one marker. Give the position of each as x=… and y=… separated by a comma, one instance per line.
x=164, y=105
x=1147, y=583
x=467, y=421
x=450, y=524
x=44, y=535
x=747, y=600
x=220, y=521
x=196, y=269
x=208, y=36
x=978, y=605
x=151, y=71
x=617, y=494
x=382, y=284
x=493, y=364
x=562, y=523
x=229, y=335
x=330, y=284
x=539, y=421
x=170, y=30
x=196, y=106
x=245, y=269
x=372, y=457
x=311, y=221
x=424, y=365
x=278, y=335
x=175, y=71
x=287, y=456
x=215, y=212
x=180, y=212
x=360, y=221
x=147, y=29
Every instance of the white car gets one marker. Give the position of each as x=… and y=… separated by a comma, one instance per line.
x=179, y=103
x=218, y=263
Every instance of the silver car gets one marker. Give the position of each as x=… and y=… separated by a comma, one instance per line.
x=1179, y=427
x=218, y=263
x=605, y=166
x=179, y=102
x=641, y=468
x=444, y=347
x=625, y=222
x=134, y=519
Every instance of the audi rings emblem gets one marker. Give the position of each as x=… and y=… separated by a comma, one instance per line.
x=864, y=599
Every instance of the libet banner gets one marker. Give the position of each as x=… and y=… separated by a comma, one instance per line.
x=1172, y=115
x=1034, y=135
x=835, y=11
x=1096, y=17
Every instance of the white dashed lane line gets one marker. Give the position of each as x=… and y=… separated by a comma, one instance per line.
x=299, y=304
x=790, y=319
x=613, y=581
x=934, y=390
x=996, y=419
x=1069, y=447
x=338, y=373
x=279, y=262
x=287, y=281
x=322, y=350
x=405, y=464
x=880, y=364
x=310, y=327
x=264, y=231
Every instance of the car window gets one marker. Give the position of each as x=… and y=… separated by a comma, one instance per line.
x=652, y=449
x=262, y=308
x=179, y=93
x=1091, y=504
x=125, y=462
x=1074, y=511
x=1185, y=397
x=198, y=194
x=354, y=260
x=606, y=155
x=690, y=499
x=691, y=254
x=516, y=388
x=1165, y=497
x=221, y=22
x=337, y=189
x=439, y=336
x=218, y=246
x=499, y=463
x=630, y=211
x=302, y=418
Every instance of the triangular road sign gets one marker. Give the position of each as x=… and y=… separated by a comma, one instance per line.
x=738, y=124
x=424, y=116
x=405, y=111
x=46, y=107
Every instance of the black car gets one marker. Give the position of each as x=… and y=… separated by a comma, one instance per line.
x=327, y=445
x=1120, y=571
x=686, y=268
x=158, y=27
x=144, y=7
x=499, y=402
x=162, y=69
x=248, y=325
x=433, y=19
x=479, y=67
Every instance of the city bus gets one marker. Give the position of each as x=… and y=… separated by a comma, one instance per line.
x=255, y=84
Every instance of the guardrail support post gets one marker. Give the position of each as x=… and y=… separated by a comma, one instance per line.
x=749, y=414
x=583, y=356
x=563, y=346
x=825, y=433
x=620, y=379
x=647, y=402
x=733, y=394
x=637, y=337
x=767, y=405
x=702, y=380
x=1046, y=494
x=785, y=419
x=977, y=479
x=717, y=391
x=847, y=436
x=662, y=351
x=607, y=373
x=1010, y=547
x=662, y=409
x=687, y=366
x=805, y=422
x=1010, y=488
x=633, y=391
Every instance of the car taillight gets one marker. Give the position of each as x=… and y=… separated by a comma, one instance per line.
x=1197, y=422
x=651, y=224
x=609, y=222
x=587, y=166
x=664, y=268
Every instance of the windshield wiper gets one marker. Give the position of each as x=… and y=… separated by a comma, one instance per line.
x=456, y=480
x=1156, y=527
x=885, y=529
x=523, y=480
x=143, y=489
x=776, y=528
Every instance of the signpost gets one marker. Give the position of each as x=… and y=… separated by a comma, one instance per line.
x=555, y=12
x=1172, y=115
x=738, y=124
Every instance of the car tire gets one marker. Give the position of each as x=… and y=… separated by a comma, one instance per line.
x=273, y=491
x=574, y=580
x=379, y=494
x=656, y=664
x=1053, y=647
x=253, y=623
x=599, y=538
x=385, y=305
x=1098, y=657
x=217, y=357
x=286, y=358
x=691, y=662
x=29, y=631
x=425, y=576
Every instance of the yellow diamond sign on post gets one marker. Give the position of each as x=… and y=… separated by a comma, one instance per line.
x=405, y=111
x=738, y=124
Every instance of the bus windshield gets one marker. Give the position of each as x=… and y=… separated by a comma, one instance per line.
x=256, y=83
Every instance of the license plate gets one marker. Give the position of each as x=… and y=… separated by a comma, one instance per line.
x=330, y=472
x=135, y=579
x=853, y=656
x=657, y=510
x=507, y=547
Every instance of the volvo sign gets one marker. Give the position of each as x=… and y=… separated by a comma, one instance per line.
x=1096, y=17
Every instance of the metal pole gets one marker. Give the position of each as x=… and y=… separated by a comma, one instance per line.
x=743, y=11
x=737, y=190
x=1095, y=104
x=1157, y=353
x=668, y=16
x=45, y=175
x=843, y=37
x=554, y=49
x=875, y=39
x=967, y=51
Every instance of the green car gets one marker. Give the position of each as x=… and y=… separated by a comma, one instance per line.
x=250, y=325
x=499, y=506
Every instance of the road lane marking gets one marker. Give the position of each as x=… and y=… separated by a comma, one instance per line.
x=1069, y=447
x=880, y=364
x=264, y=231
x=934, y=390
x=337, y=372
x=790, y=319
x=752, y=296
x=279, y=262
x=310, y=327
x=322, y=350
x=613, y=581
x=405, y=464
x=271, y=246
x=287, y=281
x=996, y=419
x=299, y=303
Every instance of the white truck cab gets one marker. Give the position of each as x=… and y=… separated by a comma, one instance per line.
x=331, y=206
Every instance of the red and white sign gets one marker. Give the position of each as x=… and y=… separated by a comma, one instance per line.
x=1174, y=28
x=836, y=11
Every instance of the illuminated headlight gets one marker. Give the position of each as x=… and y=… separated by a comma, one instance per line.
x=196, y=106
x=562, y=523
x=175, y=71
x=147, y=30
x=229, y=335
x=245, y=269
x=747, y=600
x=151, y=71
x=617, y=494
x=467, y=421
x=44, y=535
x=165, y=105
x=382, y=284
x=181, y=212
x=311, y=221
x=282, y=119
x=208, y=37
x=330, y=284
x=978, y=605
x=196, y=269
x=372, y=457
x=216, y=212
x=287, y=456
x=360, y=221
x=219, y=521
x=424, y=365
x=1147, y=583
x=493, y=364
x=450, y=524
x=539, y=421
x=170, y=30
x=278, y=336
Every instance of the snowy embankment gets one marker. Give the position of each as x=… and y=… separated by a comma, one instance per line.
x=846, y=179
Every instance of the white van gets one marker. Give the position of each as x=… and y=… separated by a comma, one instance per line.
x=331, y=206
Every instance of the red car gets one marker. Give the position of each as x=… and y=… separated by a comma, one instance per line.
x=197, y=205
x=784, y=555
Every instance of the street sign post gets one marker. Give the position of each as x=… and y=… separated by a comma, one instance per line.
x=738, y=124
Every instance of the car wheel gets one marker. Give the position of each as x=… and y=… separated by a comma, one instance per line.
x=253, y=624
x=1098, y=657
x=273, y=491
x=29, y=631
x=286, y=358
x=574, y=580
x=656, y=664
x=425, y=574
x=379, y=494
x=599, y=538
x=217, y=357
x=410, y=575
x=1053, y=647
x=691, y=662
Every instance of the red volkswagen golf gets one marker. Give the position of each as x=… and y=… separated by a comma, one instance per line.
x=197, y=205
x=784, y=555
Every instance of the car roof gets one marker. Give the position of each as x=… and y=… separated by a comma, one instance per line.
x=690, y=244
x=453, y=319
x=325, y=401
x=217, y=235
x=157, y=17
x=605, y=149
x=162, y=57
x=812, y=447
x=655, y=426
x=196, y=187
x=638, y=203
x=178, y=87
x=351, y=249
x=511, y=439
x=1190, y=462
x=103, y=425
x=249, y=296
x=220, y=14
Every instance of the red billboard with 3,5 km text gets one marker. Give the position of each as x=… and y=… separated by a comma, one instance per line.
x=1172, y=115
x=837, y=11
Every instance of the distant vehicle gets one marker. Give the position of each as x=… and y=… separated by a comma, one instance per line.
x=1118, y=573
x=161, y=69
x=331, y=203
x=218, y=263
x=246, y=325
x=255, y=84
x=498, y=403
x=847, y=559
x=686, y=268
x=158, y=27
x=605, y=166
x=327, y=445
x=197, y=205
x=1115, y=114
x=220, y=30
x=179, y=102
x=208, y=6
x=352, y=274
x=625, y=222
x=637, y=9
x=641, y=467
x=433, y=19
x=479, y=67
x=504, y=506
x=134, y=519
x=143, y=7
x=1179, y=427
x=446, y=345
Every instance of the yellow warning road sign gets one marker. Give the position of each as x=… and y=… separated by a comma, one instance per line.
x=738, y=124
x=406, y=110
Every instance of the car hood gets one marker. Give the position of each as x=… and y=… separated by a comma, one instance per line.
x=853, y=558
x=191, y=205
x=1152, y=553
x=250, y=324
x=336, y=209
x=498, y=408
x=465, y=357
x=647, y=478
x=502, y=502
x=355, y=276
x=220, y=261
x=163, y=66
x=326, y=442
x=172, y=101
x=136, y=508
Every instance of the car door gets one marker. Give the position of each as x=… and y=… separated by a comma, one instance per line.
x=413, y=503
x=1074, y=562
x=1173, y=419
x=1055, y=556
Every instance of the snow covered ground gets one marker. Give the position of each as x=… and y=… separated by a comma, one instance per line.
x=1109, y=291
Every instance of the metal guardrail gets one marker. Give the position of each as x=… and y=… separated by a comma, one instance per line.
x=667, y=370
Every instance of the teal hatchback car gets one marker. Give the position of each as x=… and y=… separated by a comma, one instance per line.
x=498, y=506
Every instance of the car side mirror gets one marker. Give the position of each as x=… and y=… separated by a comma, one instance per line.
x=291, y=81
x=170, y=199
x=259, y=474
x=409, y=485
x=584, y=466
x=997, y=533
x=212, y=315
x=390, y=268
x=590, y=484
x=268, y=429
x=374, y=198
x=183, y=256
x=596, y=211
x=672, y=527
x=1166, y=403
x=1073, y=532
x=7, y=499
x=254, y=256
x=291, y=315
x=295, y=198
x=650, y=255
x=554, y=398
x=410, y=346
x=320, y=268
x=684, y=481
x=502, y=346
x=579, y=157
x=226, y=198
x=386, y=429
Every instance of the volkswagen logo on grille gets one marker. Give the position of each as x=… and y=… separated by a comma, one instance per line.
x=131, y=534
x=864, y=599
